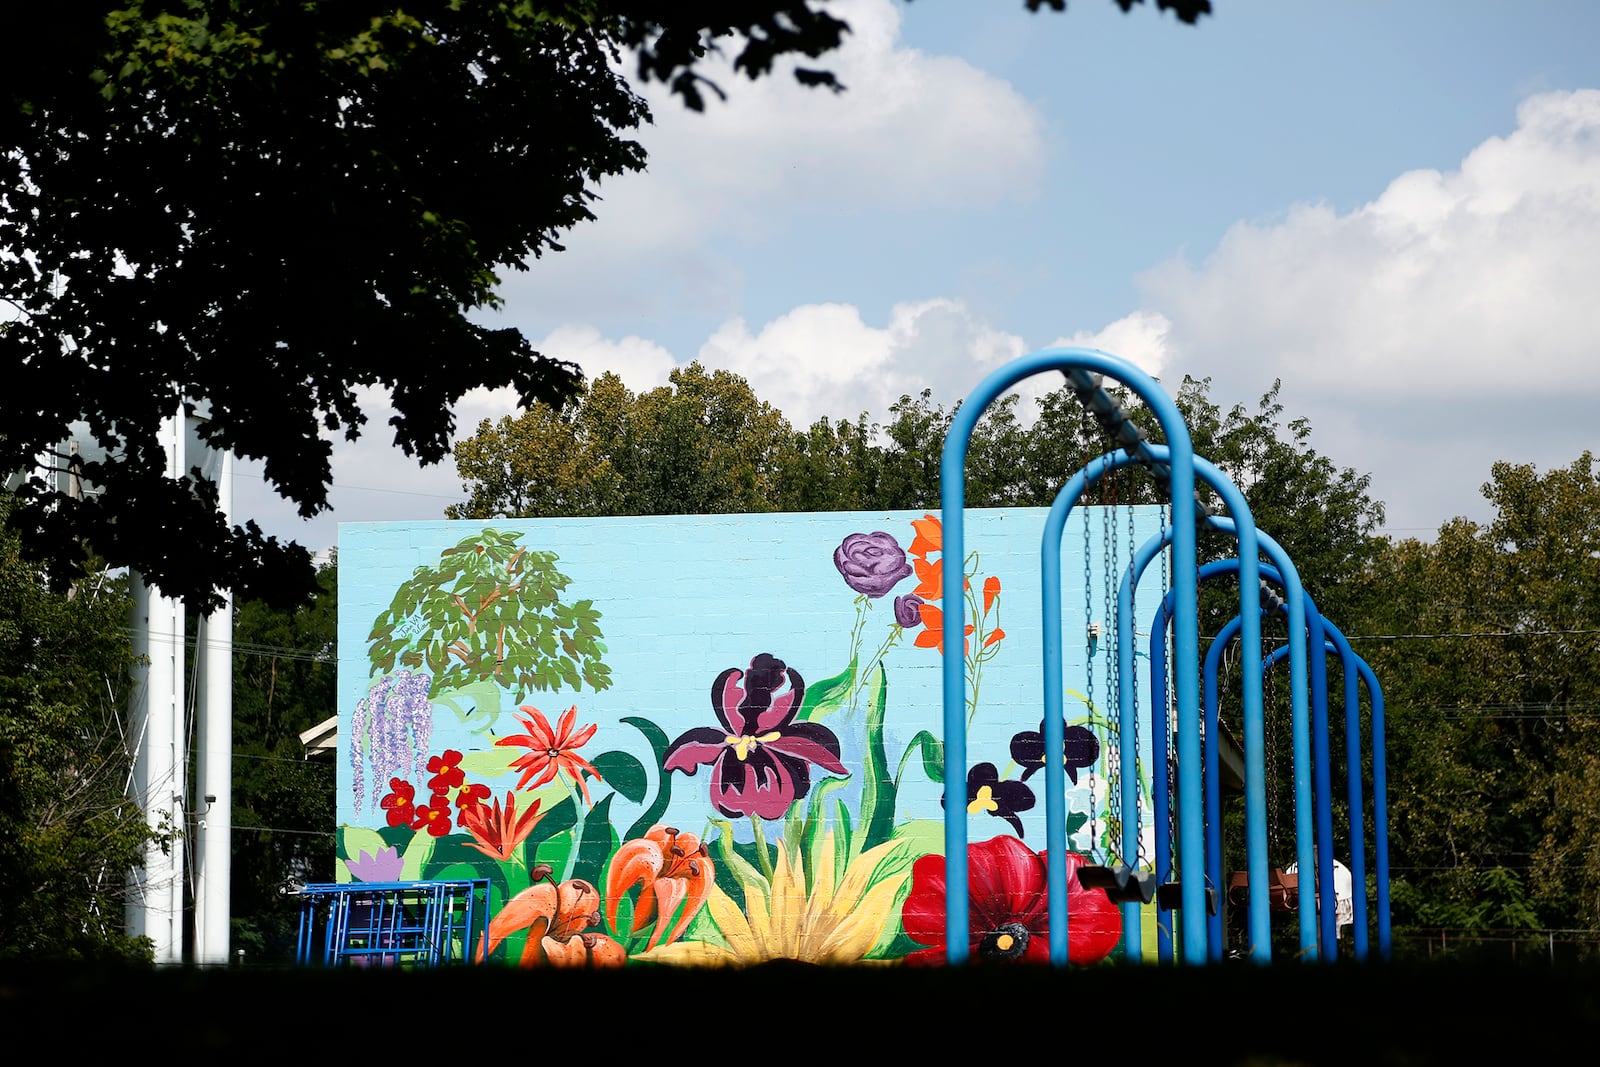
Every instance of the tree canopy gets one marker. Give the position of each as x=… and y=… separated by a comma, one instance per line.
x=68, y=832
x=260, y=207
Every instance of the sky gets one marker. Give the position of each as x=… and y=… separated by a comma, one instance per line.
x=1394, y=209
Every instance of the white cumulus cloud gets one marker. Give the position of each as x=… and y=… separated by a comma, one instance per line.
x=1450, y=322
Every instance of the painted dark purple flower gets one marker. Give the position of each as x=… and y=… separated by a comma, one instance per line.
x=908, y=610
x=1082, y=749
x=1003, y=800
x=760, y=757
x=871, y=563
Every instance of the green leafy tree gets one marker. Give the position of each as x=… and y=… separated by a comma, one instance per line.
x=68, y=832
x=703, y=444
x=324, y=194
x=284, y=682
x=1493, y=693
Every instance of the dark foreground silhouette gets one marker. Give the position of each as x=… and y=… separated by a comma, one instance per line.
x=1342, y=1014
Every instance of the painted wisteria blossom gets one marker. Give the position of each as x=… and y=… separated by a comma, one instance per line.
x=761, y=758
x=390, y=731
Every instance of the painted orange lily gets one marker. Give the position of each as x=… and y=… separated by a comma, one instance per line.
x=497, y=832
x=671, y=869
x=552, y=752
x=930, y=536
x=932, y=633
x=557, y=918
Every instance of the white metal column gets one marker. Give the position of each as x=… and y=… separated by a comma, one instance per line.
x=214, y=773
x=155, y=893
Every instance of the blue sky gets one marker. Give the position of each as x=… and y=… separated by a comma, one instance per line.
x=1395, y=208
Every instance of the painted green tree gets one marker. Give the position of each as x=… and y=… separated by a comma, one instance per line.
x=490, y=613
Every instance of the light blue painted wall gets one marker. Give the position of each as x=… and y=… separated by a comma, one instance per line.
x=684, y=597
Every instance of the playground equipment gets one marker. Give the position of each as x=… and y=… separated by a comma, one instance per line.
x=390, y=924
x=1192, y=886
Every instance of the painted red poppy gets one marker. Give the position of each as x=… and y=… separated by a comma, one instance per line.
x=1008, y=910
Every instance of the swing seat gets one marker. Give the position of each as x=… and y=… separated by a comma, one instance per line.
x=1121, y=884
x=1282, y=889
x=1169, y=897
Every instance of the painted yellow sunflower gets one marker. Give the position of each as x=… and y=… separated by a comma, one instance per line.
x=837, y=922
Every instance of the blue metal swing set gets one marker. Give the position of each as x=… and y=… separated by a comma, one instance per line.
x=1191, y=886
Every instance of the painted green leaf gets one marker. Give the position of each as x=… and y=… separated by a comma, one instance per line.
x=932, y=751
x=658, y=745
x=829, y=695
x=354, y=840
x=596, y=843
x=925, y=836
x=878, y=792
x=553, y=850
x=455, y=871
x=492, y=762
x=624, y=773
x=415, y=857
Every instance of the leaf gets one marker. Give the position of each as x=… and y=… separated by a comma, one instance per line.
x=492, y=762
x=658, y=745
x=735, y=873
x=415, y=856
x=932, y=752
x=827, y=696
x=624, y=773
x=925, y=836
x=878, y=791
x=596, y=843
x=553, y=851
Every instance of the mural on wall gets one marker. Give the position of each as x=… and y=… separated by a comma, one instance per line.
x=527, y=702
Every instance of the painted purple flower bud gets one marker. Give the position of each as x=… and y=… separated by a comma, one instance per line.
x=907, y=610
x=871, y=563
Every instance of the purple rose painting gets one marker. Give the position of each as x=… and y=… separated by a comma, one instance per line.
x=760, y=757
x=871, y=563
x=908, y=610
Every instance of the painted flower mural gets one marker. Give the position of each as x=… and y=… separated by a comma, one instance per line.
x=813, y=916
x=382, y=865
x=390, y=730
x=760, y=758
x=816, y=827
x=1008, y=910
x=557, y=919
x=871, y=563
x=673, y=873
x=1002, y=799
x=498, y=832
x=1081, y=748
x=551, y=753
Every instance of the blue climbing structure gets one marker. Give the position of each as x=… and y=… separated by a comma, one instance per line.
x=392, y=924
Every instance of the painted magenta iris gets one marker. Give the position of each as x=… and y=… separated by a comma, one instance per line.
x=760, y=756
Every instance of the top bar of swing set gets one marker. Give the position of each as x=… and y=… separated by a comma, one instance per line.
x=1082, y=366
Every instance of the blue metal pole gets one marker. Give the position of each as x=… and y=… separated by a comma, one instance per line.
x=1353, y=797
x=1209, y=696
x=1322, y=786
x=1081, y=366
x=1282, y=570
x=1250, y=542
x=1380, y=809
